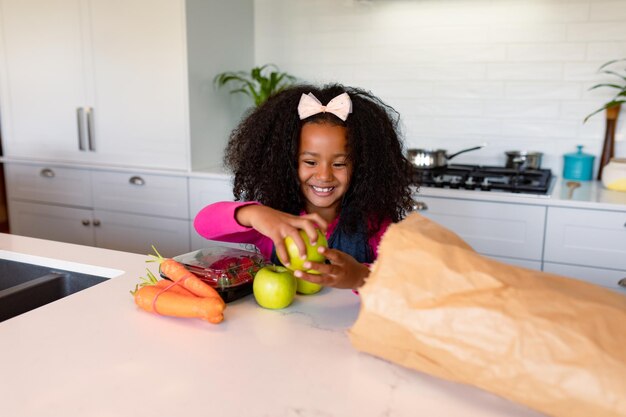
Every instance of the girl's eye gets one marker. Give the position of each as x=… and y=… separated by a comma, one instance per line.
x=309, y=163
x=339, y=164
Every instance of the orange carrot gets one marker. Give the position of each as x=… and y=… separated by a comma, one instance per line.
x=171, y=304
x=168, y=286
x=177, y=272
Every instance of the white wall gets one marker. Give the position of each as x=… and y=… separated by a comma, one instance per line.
x=512, y=73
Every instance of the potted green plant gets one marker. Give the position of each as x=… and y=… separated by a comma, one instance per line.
x=620, y=86
x=259, y=83
x=612, y=108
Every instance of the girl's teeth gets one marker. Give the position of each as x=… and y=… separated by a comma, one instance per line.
x=323, y=190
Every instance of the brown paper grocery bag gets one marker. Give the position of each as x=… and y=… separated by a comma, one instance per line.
x=432, y=304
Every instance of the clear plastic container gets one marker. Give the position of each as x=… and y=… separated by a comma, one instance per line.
x=229, y=270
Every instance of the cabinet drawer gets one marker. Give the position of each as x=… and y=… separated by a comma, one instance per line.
x=46, y=221
x=156, y=195
x=48, y=184
x=586, y=237
x=205, y=191
x=136, y=233
x=609, y=278
x=497, y=229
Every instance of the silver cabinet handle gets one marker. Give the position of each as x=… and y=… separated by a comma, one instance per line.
x=47, y=172
x=419, y=206
x=622, y=282
x=85, y=222
x=81, y=127
x=91, y=132
x=96, y=222
x=135, y=180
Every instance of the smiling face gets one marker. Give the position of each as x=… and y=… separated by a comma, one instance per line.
x=323, y=168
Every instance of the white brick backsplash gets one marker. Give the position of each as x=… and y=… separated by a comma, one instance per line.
x=604, y=31
x=558, y=52
x=388, y=71
x=329, y=40
x=522, y=109
x=606, y=51
x=452, y=53
x=542, y=90
x=587, y=72
x=540, y=11
x=514, y=73
x=579, y=109
x=427, y=35
x=555, y=32
x=325, y=74
x=607, y=10
x=465, y=127
x=545, y=129
x=393, y=89
x=523, y=71
x=438, y=107
x=469, y=89
x=394, y=15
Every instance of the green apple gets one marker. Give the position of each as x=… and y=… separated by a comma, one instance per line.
x=274, y=287
x=307, y=287
x=296, y=263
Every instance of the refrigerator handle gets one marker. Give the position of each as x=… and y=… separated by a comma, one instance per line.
x=91, y=132
x=80, y=115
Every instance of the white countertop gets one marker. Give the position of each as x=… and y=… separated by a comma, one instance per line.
x=95, y=354
x=590, y=195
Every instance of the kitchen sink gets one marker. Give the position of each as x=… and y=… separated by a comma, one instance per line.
x=24, y=286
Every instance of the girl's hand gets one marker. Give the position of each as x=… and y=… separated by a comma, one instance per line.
x=343, y=271
x=277, y=225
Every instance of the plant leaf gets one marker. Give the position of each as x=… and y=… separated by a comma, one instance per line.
x=615, y=74
x=619, y=87
x=611, y=103
x=256, y=83
x=606, y=64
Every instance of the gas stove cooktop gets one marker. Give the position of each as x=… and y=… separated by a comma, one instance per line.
x=486, y=178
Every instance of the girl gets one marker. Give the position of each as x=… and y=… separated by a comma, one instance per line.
x=309, y=158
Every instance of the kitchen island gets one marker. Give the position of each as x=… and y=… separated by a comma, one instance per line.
x=95, y=354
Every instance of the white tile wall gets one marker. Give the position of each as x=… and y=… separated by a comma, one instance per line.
x=512, y=73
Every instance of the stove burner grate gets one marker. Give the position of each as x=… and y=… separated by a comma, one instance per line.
x=485, y=178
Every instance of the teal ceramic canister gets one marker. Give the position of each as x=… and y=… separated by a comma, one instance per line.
x=578, y=165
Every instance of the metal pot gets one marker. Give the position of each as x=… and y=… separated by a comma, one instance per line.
x=427, y=158
x=521, y=160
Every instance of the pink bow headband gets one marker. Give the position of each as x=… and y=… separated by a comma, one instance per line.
x=340, y=106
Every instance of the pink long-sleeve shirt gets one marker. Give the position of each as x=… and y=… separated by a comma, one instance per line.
x=217, y=222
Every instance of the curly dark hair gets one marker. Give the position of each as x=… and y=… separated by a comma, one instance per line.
x=262, y=152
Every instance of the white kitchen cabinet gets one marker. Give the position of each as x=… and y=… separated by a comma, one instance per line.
x=105, y=229
x=587, y=244
x=121, y=215
x=49, y=184
x=52, y=222
x=205, y=191
x=137, y=233
x=609, y=278
x=583, y=237
x=139, y=83
x=202, y=192
x=43, y=78
x=120, y=83
x=140, y=192
x=492, y=228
